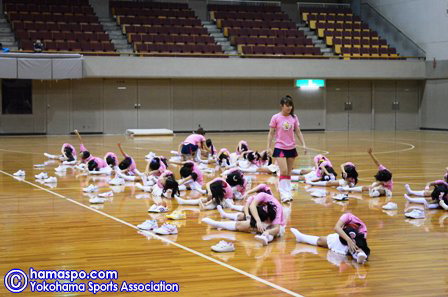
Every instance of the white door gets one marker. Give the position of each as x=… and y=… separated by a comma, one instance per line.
x=154, y=104
x=58, y=95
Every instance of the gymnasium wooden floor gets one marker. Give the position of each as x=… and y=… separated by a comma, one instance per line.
x=56, y=228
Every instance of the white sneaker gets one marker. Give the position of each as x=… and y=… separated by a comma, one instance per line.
x=97, y=200
x=340, y=197
x=90, y=189
x=148, y=225
x=319, y=193
x=415, y=214
x=42, y=175
x=263, y=239
x=106, y=194
x=60, y=168
x=39, y=165
x=20, y=173
x=390, y=206
x=166, y=229
x=285, y=197
x=223, y=247
x=150, y=155
x=117, y=181
x=157, y=208
x=51, y=180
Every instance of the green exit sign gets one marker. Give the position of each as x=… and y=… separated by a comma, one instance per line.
x=310, y=83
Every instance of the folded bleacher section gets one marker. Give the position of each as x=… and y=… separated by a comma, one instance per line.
x=62, y=25
x=157, y=28
x=261, y=30
x=349, y=36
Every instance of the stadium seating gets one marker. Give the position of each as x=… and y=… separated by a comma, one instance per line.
x=164, y=29
x=261, y=30
x=349, y=36
x=66, y=25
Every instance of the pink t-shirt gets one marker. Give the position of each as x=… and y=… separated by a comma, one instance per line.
x=166, y=173
x=195, y=139
x=133, y=166
x=349, y=218
x=100, y=162
x=279, y=219
x=70, y=146
x=389, y=184
x=441, y=182
x=82, y=149
x=114, y=156
x=161, y=169
x=319, y=172
x=228, y=193
x=224, y=151
x=200, y=176
x=350, y=164
x=284, y=130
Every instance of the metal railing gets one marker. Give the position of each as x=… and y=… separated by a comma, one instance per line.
x=388, y=30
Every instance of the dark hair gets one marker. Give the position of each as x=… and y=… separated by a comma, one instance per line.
x=200, y=130
x=331, y=171
x=209, y=144
x=68, y=151
x=252, y=156
x=164, y=160
x=235, y=178
x=439, y=189
x=171, y=183
x=360, y=239
x=125, y=163
x=383, y=175
x=155, y=163
x=242, y=147
x=110, y=161
x=85, y=155
x=217, y=191
x=265, y=213
x=221, y=158
x=186, y=170
x=287, y=100
x=265, y=157
x=351, y=173
x=92, y=165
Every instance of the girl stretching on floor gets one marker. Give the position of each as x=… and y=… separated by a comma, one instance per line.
x=426, y=192
x=67, y=156
x=349, y=178
x=188, y=148
x=381, y=187
x=439, y=196
x=350, y=238
x=266, y=218
x=192, y=177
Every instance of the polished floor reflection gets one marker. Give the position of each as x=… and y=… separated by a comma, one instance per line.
x=45, y=226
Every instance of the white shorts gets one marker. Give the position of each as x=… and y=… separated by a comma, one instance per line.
x=342, y=182
x=387, y=192
x=157, y=191
x=335, y=244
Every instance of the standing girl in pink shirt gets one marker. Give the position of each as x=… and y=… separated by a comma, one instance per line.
x=285, y=126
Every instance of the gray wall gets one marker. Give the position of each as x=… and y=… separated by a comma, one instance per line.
x=108, y=105
x=166, y=67
x=424, y=21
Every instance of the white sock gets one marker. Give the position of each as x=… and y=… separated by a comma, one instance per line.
x=237, y=207
x=416, y=200
x=270, y=237
x=374, y=193
x=187, y=202
x=433, y=206
x=295, y=178
x=227, y=215
x=182, y=187
x=296, y=171
x=249, y=169
x=219, y=224
x=411, y=192
x=319, y=183
x=300, y=237
x=354, y=189
x=196, y=186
